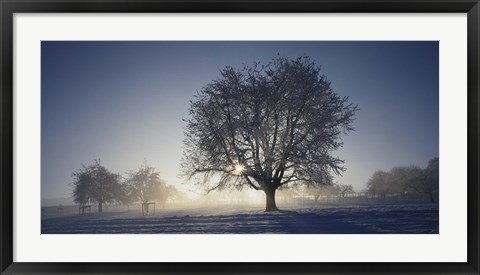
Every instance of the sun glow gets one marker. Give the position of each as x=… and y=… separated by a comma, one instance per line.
x=238, y=169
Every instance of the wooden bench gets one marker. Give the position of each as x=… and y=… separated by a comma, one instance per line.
x=83, y=209
x=146, y=206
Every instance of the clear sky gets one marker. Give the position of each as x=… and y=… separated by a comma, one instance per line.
x=123, y=102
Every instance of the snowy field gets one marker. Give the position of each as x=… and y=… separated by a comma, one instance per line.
x=401, y=217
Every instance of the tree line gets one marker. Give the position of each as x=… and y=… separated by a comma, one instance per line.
x=411, y=181
x=332, y=190
x=97, y=185
x=406, y=182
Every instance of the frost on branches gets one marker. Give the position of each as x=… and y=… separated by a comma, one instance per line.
x=266, y=127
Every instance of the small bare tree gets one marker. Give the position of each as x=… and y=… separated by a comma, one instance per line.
x=94, y=183
x=379, y=183
x=426, y=182
x=322, y=186
x=146, y=184
x=345, y=189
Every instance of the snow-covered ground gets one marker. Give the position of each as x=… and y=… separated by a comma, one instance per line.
x=400, y=217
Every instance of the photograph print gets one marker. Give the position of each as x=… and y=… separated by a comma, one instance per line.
x=240, y=137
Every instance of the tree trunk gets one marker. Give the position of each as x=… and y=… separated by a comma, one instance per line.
x=99, y=207
x=271, y=205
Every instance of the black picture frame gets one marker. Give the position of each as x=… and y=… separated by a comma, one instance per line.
x=9, y=7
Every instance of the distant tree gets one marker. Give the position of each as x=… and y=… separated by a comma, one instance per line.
x=332, y=190
x=146, y=185
x=401, y=178
x=287, y=195
x=94, y=183
x=426, y=182
x=128, y=194
x=315, y=191
x=179, y=196
x=323, y=186
x=379, y=183
x=407, y=179
x=81, y=187
x=167, y=193
x=344, y=189
x=393, y=182
x=266, y=127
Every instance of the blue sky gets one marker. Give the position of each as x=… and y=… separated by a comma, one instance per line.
x=123, y=102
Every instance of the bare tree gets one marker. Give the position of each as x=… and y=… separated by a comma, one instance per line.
x=316, y=191
x=323, y=186
x=167, y=193
x=379, y=183
x=426, y=182
x=345, y=189
x=407, y=179
x=401, y=177
x=146, y=184
x=394, y=182
x=266, y=127
x=287, y=195
x=94, y=183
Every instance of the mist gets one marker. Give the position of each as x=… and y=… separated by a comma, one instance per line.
x=231, y=137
